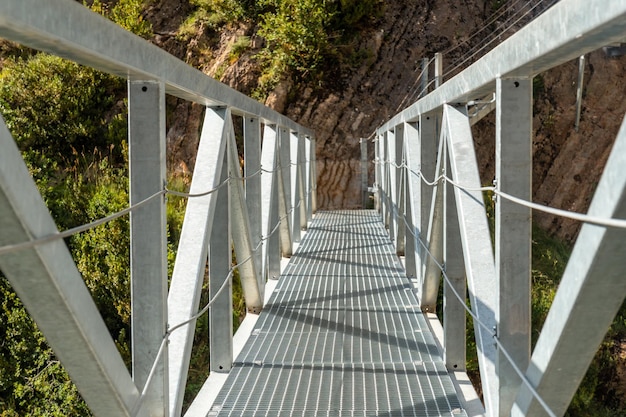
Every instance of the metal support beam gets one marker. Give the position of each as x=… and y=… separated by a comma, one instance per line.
x=424, y=78
x=252, y=173
x=364, y=169
x=590, y=294
x=477, y=252
x=148, y=239
x=513, y=229
x=427, y=164
x=302, y=181
x=400, y=172
x=413, y=187
x=313, y=158
x=191, y=259
x=391, y=186
x=438, y=69
x=52, y=290
x=432, y=273
x=269, y=211
x=454, y=315
x=579, y=90
x=240, y=225
x=220, y=259
x=310, y=176
x=294, y=142
x=284, y=192
x=384, y=184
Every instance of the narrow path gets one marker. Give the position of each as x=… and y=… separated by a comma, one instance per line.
x=342, y=335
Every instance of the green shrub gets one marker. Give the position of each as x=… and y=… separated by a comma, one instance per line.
x=211, y=14
x=127, y=14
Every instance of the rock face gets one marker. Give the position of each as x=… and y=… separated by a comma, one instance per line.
x=384, y=84
x=351, y=104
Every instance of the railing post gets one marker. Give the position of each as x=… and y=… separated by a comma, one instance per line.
x=269, y=211
x=454, y=315
x=309, y=155
x=302, y=183
x=513, y=230
x=438, y=69
x=294, y=151
x=424, y=78
x=413, y=207
x=429, y=290
x=313, y=159
x=399, y=190
x=579, y=90
x=284, y=191
x=391, y=184
x=385, y=193
x=220, y=259
x=364, y=182
x=427, y=167
x=146, y=129
x=252, y=156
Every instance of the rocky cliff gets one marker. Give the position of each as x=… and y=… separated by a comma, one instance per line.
x=350, y=105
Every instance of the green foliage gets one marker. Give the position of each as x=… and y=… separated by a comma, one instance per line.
x=102, y=254
x=65, y=119
x=241, y=45
x=127, y=14
x=212, y=14
x=297, y=40
x=54, y=108
x=354, y=12
x=32, y=381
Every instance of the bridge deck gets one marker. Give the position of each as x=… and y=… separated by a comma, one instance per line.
x=342, y=334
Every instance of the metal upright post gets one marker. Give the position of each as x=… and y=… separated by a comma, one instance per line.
x=454, y=315
x=400, y=197
x=427, y=161
x=294, y=142
x=438, y=69
x=269, y=211
x=364, y=194
x=146, y=129
x=424, y=78
x=302, y=181
x=513, y=230
x=313, y=158
x=220, y=258
x=284, y=191
x=252, y=173
x=309, y=158
x=579, y=90
x=413, y=205
x=391, y=184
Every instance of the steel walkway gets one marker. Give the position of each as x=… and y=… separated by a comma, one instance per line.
x=342, y=335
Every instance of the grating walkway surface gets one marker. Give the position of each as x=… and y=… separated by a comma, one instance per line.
x=342, y=335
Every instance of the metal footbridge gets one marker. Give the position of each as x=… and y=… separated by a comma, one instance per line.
x=348, y=326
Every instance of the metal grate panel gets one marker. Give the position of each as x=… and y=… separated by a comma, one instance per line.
x=341, y=335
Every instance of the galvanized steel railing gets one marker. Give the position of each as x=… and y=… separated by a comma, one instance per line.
x=430, y=196
x=261, y=211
